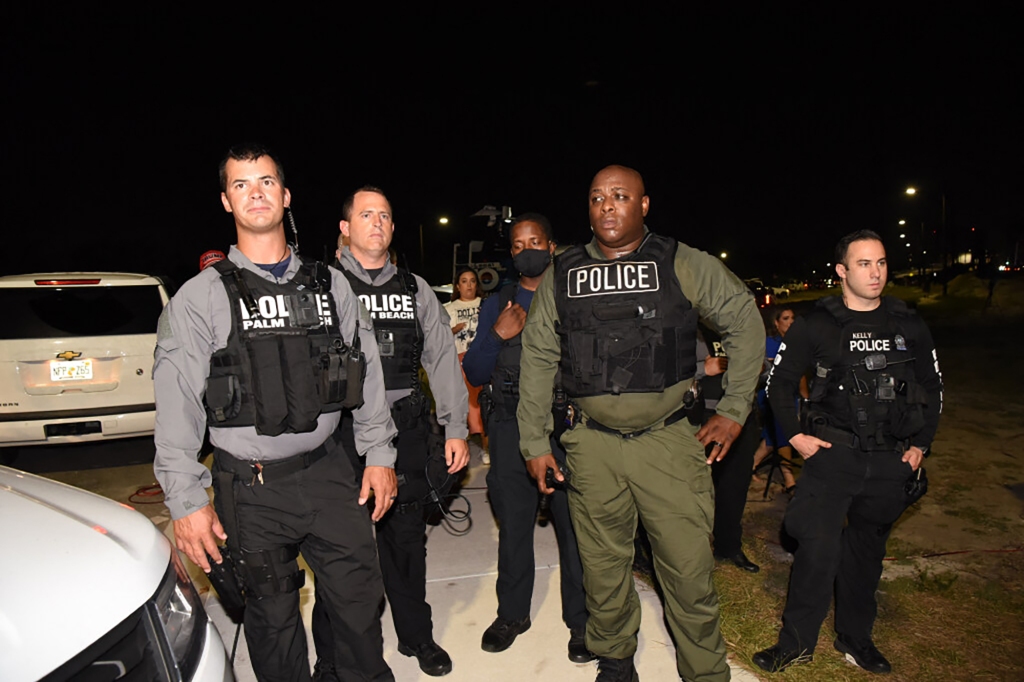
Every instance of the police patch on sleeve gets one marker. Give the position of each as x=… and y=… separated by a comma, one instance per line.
x=612, y=278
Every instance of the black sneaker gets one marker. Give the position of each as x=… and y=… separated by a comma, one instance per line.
x=578, y=652
x=500, y=635
x=616, y=670
x=433, y=660
x=323, y=671
x=863, y=654
x=774, y=659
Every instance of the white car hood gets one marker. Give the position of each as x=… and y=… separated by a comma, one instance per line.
x=72, y=566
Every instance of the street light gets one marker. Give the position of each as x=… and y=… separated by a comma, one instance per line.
x=944, y=237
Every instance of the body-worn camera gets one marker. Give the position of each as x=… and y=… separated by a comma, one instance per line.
x=302, y=309
x=885, y=388
x=386, y=343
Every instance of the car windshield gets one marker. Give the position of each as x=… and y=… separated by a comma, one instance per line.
x=60, y=312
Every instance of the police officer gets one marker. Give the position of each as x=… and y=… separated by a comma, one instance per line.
x=620, y=319
x=874, y=404
x=731, y=476
x=262, y=348
x=493, y=361
x=412, y=330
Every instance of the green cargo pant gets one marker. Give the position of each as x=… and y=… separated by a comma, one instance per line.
x=661, y=474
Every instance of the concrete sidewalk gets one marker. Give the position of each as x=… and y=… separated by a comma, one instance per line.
x=461, y=573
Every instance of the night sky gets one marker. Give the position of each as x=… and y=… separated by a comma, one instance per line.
x=761, y=134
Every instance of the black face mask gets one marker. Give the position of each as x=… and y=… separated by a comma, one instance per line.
x=532, y=262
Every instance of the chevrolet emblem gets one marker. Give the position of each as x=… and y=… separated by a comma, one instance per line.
x=68, y=355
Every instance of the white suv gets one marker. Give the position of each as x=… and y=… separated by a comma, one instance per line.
x=91, y=590
x=76, y=356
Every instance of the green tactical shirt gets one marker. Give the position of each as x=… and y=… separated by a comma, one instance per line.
x=722, y=301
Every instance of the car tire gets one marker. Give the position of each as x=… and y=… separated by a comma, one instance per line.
x=8, y=456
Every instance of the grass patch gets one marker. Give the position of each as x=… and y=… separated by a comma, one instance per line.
x=932, y=626
x=979, y=518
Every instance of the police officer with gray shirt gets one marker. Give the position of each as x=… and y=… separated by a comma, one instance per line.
x=264, y=349
x=412, y=330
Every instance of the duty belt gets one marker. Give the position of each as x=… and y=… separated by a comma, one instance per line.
x=274, y=469
x=669, y=421
x=831, y=434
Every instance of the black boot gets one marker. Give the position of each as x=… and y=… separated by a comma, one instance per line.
x=578, y=652
x=433, y=660
x=616, y=670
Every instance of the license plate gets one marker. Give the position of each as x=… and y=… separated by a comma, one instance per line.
x=71, y=370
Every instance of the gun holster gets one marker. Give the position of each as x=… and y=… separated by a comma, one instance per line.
x=224, y=578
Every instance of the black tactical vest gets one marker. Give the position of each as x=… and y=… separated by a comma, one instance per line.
x=874, y=382
x=505, y=375
x=392, y=306
x=624, y=324
x=285, y=362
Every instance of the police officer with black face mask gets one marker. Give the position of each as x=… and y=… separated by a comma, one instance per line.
x=263, y=348
x=873, y=409
x=492, y=361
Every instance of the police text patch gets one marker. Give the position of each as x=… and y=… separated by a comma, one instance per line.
x=612, y=278
x=389, y=306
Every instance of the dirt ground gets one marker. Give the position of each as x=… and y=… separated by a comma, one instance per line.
x=951, y=601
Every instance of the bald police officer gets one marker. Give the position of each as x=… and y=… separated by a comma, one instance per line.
x=619, y=318
x=260, y=348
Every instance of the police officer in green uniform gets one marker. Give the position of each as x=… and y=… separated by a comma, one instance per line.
x=873, y=409
x=620, y=318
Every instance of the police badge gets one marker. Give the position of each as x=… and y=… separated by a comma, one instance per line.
x=901, y=343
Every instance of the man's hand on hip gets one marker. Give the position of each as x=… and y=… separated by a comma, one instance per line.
x=196, y=535
x=721, y=432
x=384, y=484
x=807, y=445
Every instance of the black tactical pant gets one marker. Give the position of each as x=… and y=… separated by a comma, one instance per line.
x=316, y=510
x=515, y=500
x=401, y=544
x=837, y=485
x=731, y=478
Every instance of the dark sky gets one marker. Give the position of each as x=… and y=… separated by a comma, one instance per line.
x=765, y=135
